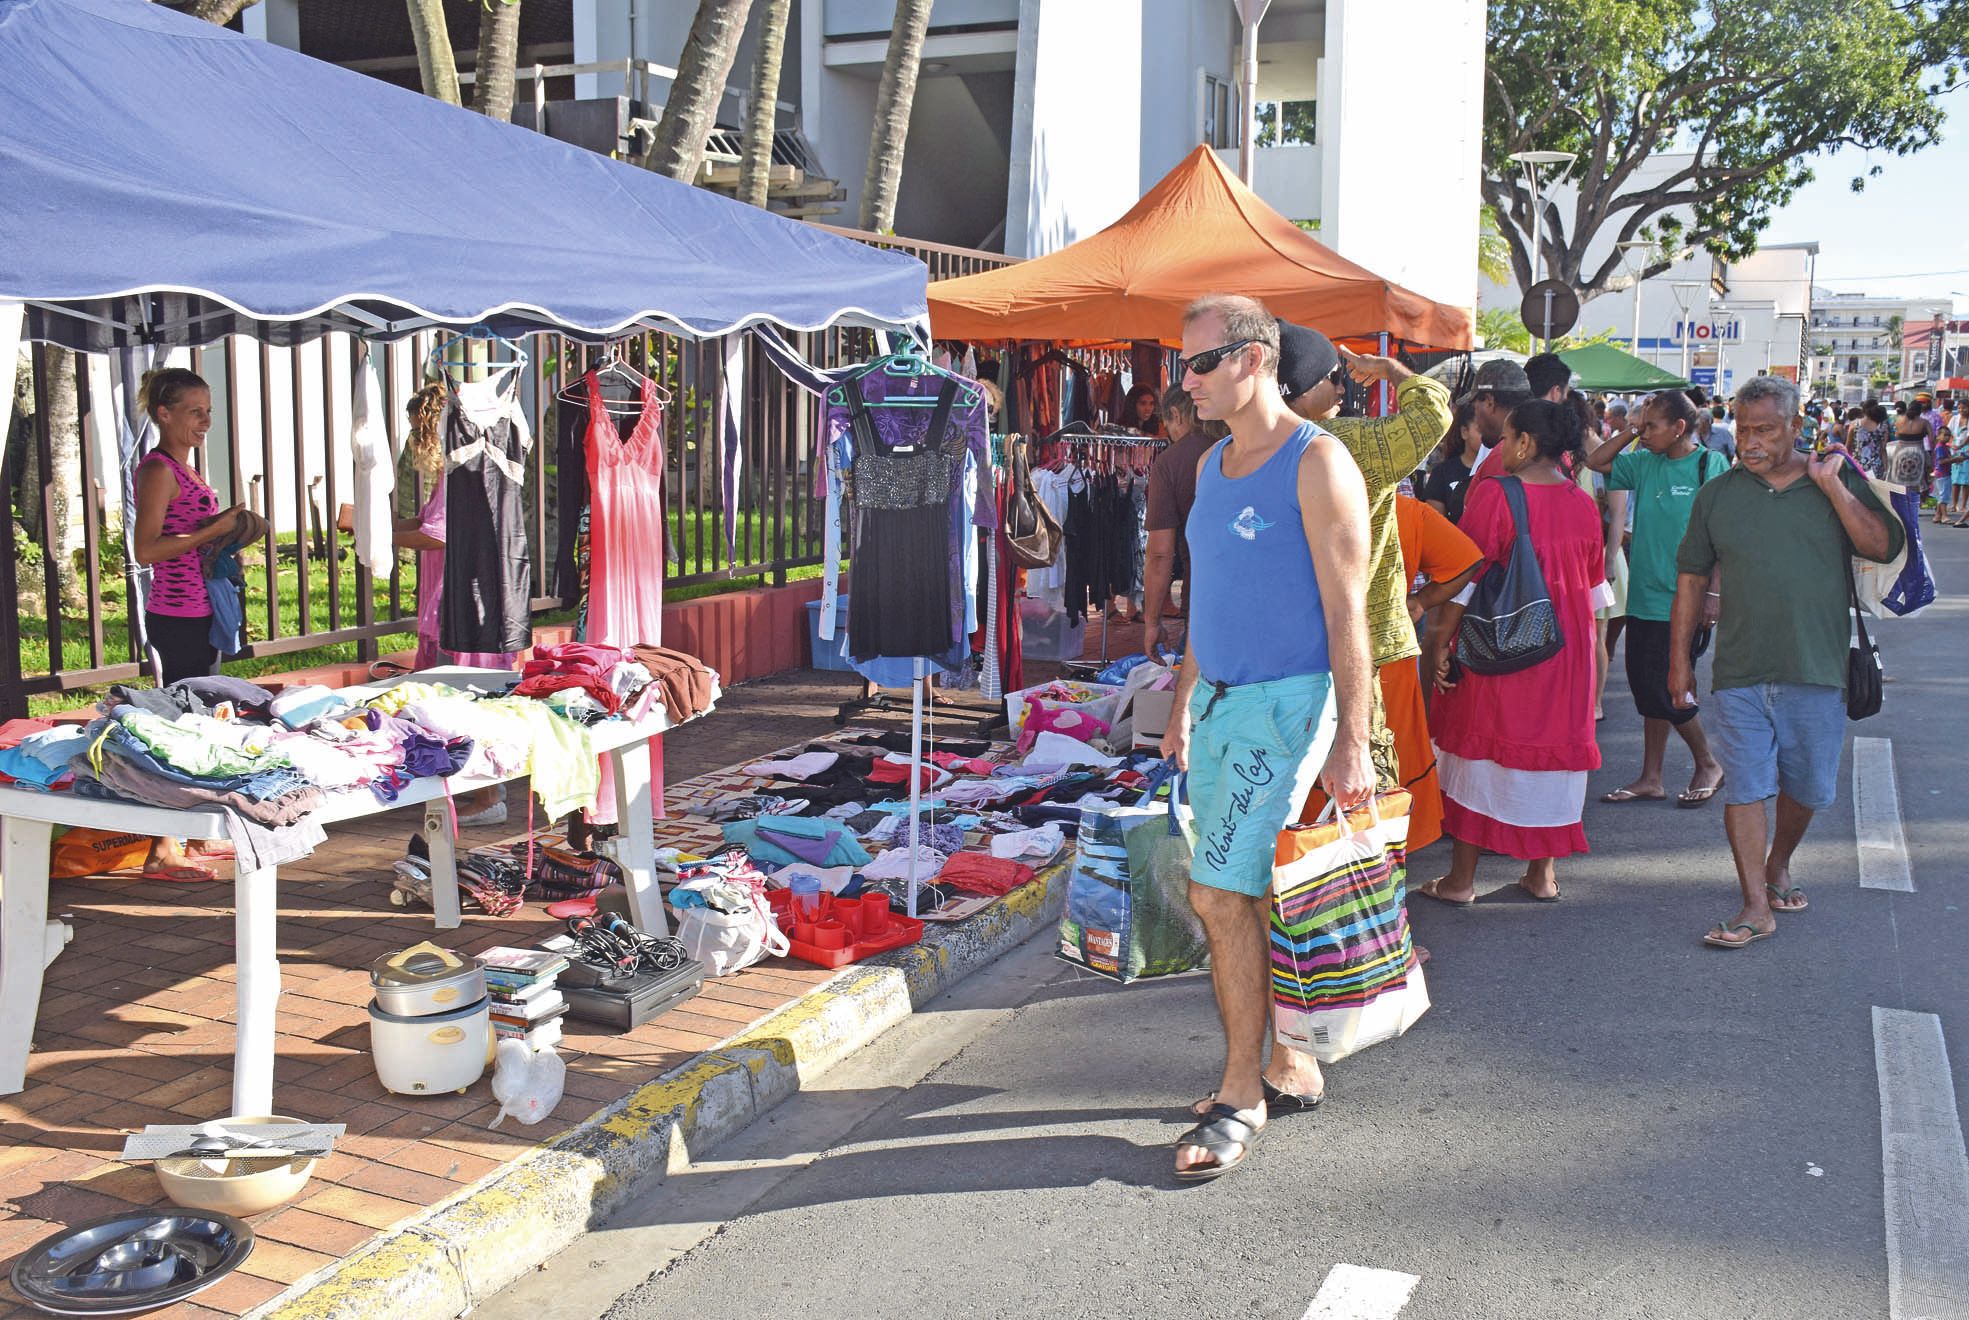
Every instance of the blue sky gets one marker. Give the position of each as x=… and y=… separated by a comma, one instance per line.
x=1913, y=219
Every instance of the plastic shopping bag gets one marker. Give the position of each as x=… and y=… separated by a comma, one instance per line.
x=85, y=851
x=527, y=1082
x=1128, y=912
x=1343, y=968
x=726, y=942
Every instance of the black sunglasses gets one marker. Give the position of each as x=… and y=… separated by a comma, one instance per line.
x=1206, y=362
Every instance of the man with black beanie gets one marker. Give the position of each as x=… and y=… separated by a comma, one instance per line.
x=1386, y=449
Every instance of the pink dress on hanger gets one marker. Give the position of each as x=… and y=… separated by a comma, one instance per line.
x=625, y=544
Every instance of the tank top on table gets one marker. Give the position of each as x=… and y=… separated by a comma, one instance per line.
x=488, y=575
x=177, y=585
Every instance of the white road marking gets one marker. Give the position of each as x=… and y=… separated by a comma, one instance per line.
x=1353, y=1293
x=1927, y=1169
x=1877, y=817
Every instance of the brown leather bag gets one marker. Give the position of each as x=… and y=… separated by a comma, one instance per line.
x=1035, y=534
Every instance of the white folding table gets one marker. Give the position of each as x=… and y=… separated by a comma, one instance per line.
x=29, y=941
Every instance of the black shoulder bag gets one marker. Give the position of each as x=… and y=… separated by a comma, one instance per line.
x=1510, y=623
x=1863, y=678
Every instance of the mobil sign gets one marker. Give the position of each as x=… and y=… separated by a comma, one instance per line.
x=1709, y=330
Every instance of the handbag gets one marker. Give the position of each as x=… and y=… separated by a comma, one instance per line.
x=1510, y=623
x=1904, y=585
x=1344, y=975
x=1034, y=534
x=1863, y=679
x=1128, y=913
x=727, y=942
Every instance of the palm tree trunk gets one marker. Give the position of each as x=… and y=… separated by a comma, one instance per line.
x=755, y=168
x=893, y=97
x=499, y=47
x=436, y=64
x=691, y=109
x=221, y=12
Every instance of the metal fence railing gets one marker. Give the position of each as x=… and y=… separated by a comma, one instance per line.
x=280, y=445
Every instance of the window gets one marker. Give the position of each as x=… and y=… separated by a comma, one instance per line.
x=1220, y=116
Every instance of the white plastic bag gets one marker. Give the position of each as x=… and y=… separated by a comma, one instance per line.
x=726, y=942
x=526, y=1082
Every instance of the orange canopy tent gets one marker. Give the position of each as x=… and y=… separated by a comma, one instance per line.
x=1198, y=231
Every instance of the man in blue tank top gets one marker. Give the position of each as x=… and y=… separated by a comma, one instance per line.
x=1274, y=690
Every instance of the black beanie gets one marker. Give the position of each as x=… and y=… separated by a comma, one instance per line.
x=1305, y=358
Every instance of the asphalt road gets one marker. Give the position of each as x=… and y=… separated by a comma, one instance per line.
x=1599, y=1118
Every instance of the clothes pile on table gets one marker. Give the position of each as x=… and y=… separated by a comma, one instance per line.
x=268, y=759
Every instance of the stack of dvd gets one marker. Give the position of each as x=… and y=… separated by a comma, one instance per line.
x=527, y=1004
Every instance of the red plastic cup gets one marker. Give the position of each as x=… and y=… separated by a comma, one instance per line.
x=849, y=913
x=803, y=932
x=830, y=935
x=874, y=914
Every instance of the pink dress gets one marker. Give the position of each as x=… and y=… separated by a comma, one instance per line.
x=1513, y=750
x=625, y=546
x=430, y=593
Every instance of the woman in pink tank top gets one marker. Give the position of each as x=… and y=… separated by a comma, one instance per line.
x=177, y=516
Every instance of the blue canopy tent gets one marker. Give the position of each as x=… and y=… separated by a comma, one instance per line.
x=167, y=182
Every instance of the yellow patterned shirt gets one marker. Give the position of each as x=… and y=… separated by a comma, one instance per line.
x=1386, y=449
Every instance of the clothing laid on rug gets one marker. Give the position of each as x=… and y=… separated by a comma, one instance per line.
x=1513, y=750
x=488, y=575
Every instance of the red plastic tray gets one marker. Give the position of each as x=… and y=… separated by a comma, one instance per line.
x=898, y=930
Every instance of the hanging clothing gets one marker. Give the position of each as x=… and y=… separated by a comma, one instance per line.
x=430, y=591
x=572, y=417
x=488, y=575
x=375, y=473
x=625, y=523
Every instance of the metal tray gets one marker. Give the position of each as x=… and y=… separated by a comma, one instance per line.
x=123, y=1264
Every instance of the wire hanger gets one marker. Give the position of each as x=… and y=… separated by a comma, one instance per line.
x=455, y=367
x=906, y=362
x=613, y=365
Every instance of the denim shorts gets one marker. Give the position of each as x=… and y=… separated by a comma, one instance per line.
x=1779, y=738
x=1255, y=750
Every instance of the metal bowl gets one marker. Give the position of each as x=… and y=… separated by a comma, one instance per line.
x=126, y=1263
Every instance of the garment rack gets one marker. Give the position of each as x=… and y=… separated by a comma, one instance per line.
x=1078, y=435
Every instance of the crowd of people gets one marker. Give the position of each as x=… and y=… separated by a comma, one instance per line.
x=1326, y=564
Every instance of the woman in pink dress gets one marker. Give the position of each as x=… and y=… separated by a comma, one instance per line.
x=1513, y=750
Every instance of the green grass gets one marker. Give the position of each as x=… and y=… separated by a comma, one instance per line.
x=754, y=545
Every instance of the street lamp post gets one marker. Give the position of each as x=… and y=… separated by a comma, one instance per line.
x=1531, y=160
x=1626, y=247
x=1683, y=305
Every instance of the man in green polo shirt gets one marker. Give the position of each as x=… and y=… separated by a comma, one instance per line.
x=1783, y=527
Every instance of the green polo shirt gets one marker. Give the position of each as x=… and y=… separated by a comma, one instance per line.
x=1785, y=557
x=1664, y=492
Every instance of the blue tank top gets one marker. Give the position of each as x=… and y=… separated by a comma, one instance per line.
x=1255, y=611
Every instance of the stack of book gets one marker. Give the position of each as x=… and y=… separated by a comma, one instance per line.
x=526, y=1003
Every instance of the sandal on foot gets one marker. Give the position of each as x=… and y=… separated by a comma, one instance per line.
x=1552, y=897
x=1279, y=1102
x=1429, y=891
x=1629, y=795
x=1223, y=1136
x=1695, y=797
x=1793, y=898
x=1719, y=937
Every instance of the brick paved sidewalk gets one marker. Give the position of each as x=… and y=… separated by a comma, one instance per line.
x=136, y=1020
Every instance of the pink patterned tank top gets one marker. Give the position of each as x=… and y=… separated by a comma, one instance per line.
x=177, y=585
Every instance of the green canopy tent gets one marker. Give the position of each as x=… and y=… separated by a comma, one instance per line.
x=1604, y=367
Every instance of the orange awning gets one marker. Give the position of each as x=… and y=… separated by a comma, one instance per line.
x=1198, y=231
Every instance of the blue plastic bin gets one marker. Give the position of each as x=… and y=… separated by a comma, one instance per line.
x=827, y=654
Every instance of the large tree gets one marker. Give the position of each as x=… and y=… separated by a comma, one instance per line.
x=894, y=95
x=691, y=109
x=1750, y=92
x=755, y=164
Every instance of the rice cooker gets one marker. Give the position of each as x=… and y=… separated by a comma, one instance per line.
x=430, y=1025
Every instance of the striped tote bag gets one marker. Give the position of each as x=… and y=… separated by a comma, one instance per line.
x=1343, y=968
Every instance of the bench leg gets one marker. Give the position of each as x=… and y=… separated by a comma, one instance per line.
x=23, y=941
x=636, y=836
x=444, y=863
x=256, y=900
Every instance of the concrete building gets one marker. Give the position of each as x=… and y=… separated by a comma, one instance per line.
x=1865, y=335
x=1038, y=122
